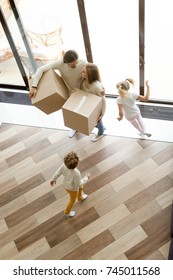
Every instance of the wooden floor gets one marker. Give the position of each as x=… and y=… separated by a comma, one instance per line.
x=126, y=216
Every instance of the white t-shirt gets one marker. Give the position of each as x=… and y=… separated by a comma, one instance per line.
x=130, y=108
x=72, y=177
x=70, y=76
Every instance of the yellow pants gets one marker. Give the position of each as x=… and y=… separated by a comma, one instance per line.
x=73, y=195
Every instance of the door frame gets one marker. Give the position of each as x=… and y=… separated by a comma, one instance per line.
x=141, y=45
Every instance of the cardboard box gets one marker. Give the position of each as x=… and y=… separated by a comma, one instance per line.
x=81, y=111
x=52, y=93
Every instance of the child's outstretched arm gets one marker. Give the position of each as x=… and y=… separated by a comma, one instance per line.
x=147, y=95
x=120, y=109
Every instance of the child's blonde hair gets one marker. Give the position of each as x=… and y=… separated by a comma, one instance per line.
x=71, y=160
x=124, y=86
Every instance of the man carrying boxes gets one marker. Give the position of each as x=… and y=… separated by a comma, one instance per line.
x=69, y=68
x=82, y=110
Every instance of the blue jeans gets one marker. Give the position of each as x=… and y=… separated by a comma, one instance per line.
x=100, y=127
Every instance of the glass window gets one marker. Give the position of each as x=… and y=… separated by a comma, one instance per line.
x=158, y=48
x=51, y=29
x=113, y=28
x=9, y=71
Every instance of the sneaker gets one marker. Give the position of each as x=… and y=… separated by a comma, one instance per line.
x=148, y=134
x=71, y=214
x=96, y=138
x=71, y=133
x=84, y=197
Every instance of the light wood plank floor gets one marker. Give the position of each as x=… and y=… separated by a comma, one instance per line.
x=128, y=211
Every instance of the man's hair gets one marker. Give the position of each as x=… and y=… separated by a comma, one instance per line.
x=71, y=160
x=70, y=56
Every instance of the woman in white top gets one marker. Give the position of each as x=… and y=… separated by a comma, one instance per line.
x=73, y=183
x=127, y=105
x=91, y=83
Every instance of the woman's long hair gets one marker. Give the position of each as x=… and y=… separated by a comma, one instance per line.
x=92, y=73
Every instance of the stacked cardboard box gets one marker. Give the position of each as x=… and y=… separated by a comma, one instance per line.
x=52, y=93
x=81, y=111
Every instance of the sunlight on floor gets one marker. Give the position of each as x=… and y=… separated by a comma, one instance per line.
x=29, y=115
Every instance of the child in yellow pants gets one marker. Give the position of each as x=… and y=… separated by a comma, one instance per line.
x=72, y=181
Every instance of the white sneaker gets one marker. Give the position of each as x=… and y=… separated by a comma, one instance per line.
x=84, y=197
x=71, y=214
x=96, y=138
x=71, y=133
x=142, y=135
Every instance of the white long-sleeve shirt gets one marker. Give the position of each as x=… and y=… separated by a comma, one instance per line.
x=72, y=177
x=70, y=76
